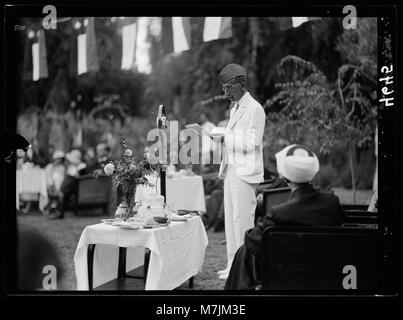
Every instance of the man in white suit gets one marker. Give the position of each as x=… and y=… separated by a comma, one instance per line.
x=242, y=161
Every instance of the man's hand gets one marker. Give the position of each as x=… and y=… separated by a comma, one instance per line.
x=217, y=139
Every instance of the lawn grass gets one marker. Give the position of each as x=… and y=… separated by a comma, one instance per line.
x=65, y=234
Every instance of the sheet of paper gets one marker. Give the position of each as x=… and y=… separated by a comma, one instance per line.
x=196, y=127
x=217, y=132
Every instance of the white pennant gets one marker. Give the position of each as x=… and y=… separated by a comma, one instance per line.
x=82, y=53
x=297, y=21
x=35, y=61
x=179, y=37
x=211, y=28
x=129, y=39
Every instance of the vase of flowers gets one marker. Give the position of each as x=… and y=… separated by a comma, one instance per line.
x=128, y=172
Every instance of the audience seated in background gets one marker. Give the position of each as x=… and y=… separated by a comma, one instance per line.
x=90, y=157
x=102, y=158
x=306, y=207
x=55, y=173
x=214, y=216
x=69, y=186
x=25, y=159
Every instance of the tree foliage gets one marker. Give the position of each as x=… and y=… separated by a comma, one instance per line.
x=338, y=112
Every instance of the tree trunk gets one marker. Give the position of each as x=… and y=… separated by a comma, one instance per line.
x=352, y=171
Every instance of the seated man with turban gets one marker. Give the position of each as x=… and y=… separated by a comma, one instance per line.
x=305, y=207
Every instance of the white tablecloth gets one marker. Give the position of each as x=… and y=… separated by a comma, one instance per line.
x=186, y=192
x=177, y=253
x=32, y=181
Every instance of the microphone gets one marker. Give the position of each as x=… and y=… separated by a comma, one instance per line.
x=161, y=119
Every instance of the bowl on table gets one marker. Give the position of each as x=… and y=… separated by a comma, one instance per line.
x=161, y=220
x=183, y=212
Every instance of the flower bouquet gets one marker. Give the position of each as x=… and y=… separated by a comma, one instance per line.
x=128, y=172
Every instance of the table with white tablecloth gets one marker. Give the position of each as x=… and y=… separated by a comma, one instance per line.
x=177, y=253
x=183, y=192
x=32, y=182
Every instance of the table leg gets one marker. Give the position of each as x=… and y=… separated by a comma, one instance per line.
x=191, y=283
x=90, y=264
x=146, y=263
x=122, y=263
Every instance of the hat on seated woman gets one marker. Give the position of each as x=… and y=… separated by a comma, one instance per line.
x=58, y=154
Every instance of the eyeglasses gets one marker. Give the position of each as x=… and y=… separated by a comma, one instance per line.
x=228, y=87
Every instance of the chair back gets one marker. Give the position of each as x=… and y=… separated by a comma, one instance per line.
x=94, y=191
x=325, y=259
x=354, y=206
x=361, y=218
x=273, y=197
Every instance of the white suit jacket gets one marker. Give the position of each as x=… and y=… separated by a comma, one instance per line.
x=242, y=145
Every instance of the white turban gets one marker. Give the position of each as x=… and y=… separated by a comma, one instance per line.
x=297, y=163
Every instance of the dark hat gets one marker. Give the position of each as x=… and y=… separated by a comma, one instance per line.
x=230, y=71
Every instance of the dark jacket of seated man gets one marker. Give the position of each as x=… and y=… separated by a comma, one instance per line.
x=305, y=207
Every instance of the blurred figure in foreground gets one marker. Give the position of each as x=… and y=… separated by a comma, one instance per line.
x=13, y=143
x=38, y=265
x=35, y=255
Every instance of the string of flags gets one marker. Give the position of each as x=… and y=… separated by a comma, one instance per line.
x=87, y=49
x=176, y=35
x=285, y=23
x=39, y=61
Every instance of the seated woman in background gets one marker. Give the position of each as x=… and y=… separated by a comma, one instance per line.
x=69, y=186
x=306, y=206
x=55, y=173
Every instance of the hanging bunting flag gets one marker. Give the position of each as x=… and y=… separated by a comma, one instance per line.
x=73, y=55
x=92, y=55
x=39, y=62
x=181, y=33
x=82, y=53
x=129, y=45
x=35, y=61
x=285, y=23
x=167, y=35
x=87, y=57
x=28, y=61
x=217, y=28
x=297, y=21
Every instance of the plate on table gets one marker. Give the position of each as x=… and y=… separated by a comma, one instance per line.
x=154, y=224
x=126, y=225
x=217, y=132
x=177, y=217
x=108, y=221
x=183, y=212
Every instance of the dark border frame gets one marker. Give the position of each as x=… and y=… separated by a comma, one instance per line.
x=389, y=152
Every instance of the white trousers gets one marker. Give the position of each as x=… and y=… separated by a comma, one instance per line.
x=239, y=208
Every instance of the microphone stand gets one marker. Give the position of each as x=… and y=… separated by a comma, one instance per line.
x=162, y=124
